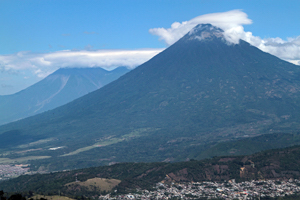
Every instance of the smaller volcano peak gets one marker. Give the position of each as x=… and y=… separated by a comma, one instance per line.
x=204, y=32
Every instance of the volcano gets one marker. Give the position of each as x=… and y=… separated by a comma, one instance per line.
x=59, y=88
x=202, y=89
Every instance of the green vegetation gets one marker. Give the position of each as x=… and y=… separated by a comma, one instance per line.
x=17, y=196
x=250, y=145
x=136, y=148
x=277, y=163
x=197, y=99
x=110, y=141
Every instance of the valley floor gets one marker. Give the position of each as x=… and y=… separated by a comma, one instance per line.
x=220, y=190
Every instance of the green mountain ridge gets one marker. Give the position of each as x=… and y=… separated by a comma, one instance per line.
x=199, y=91
x=275, y=164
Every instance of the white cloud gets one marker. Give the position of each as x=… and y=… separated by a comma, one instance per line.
x=232, y=23
x=288, y=50
x=44, y=64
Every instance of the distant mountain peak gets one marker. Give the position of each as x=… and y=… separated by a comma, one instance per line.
x=204, y=32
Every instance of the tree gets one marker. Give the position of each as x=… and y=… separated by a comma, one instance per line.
x=1, y=195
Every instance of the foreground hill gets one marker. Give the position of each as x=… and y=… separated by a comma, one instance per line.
x=272, y=164
x=199, y=91
x=57, y=89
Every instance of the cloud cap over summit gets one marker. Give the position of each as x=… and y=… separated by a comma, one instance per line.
x=232, y=23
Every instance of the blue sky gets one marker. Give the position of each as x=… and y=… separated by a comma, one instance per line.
x=39, y=36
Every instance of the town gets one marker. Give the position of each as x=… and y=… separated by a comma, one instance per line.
x=12, y=171
x=216, y=190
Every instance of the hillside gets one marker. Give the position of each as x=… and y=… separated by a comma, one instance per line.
x=200, y=91
x=59, y=88
x=271, y=164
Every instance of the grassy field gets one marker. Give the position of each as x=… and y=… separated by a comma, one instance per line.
x=113, y=140
x=56, y=197
x=36, y=143
x=22, y=159
x=101, y=184
x=98, y=144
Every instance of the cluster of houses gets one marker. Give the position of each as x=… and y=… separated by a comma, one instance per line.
x=11, y=171
x=221, y=190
